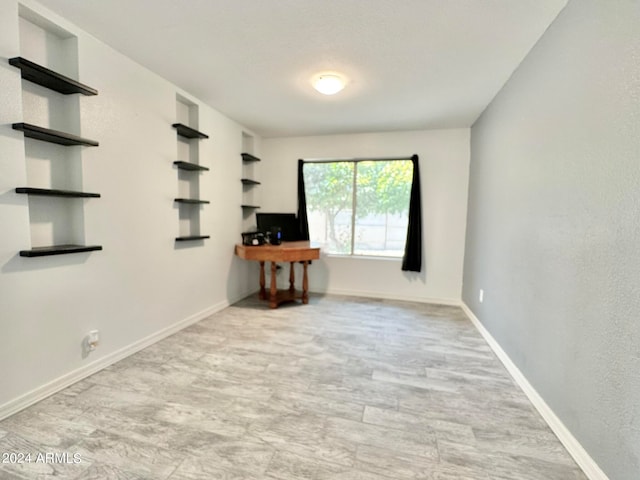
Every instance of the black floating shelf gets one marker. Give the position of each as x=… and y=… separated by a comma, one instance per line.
x=249, y=206
x=189, y=166
x=58, y=250
x=192, y=237
x=247, y=157
x=248, y=181
x=53, y=136
x=48, y=78
x=188, y=132
x=190, y=200
x=56, y=193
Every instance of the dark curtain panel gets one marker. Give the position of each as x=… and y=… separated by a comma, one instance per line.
x=303, y=223
x=412, y=260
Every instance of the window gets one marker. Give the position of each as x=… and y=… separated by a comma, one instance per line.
x=359, y=207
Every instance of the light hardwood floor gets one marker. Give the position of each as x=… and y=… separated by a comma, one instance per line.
x=344, y=388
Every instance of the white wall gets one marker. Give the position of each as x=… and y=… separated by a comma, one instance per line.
x=553, y=229
x=142, y=284
x=444, y=167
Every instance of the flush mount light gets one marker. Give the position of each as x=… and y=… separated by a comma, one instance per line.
x=328, y=83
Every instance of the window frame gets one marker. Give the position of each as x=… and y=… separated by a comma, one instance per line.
x=355, y=161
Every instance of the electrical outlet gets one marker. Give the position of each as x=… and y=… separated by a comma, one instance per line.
x=93, y=340
x=481, y=296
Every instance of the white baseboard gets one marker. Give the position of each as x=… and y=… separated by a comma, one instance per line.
x=386, y=296
x=575, y=449
x=68, y=379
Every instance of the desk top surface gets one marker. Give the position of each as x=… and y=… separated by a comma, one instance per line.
x=285, y=252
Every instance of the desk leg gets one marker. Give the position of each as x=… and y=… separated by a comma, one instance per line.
x=292, y=278
x=263, y=292
x=273, y=300
x=305, y=283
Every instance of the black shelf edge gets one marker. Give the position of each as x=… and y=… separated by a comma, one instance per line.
x=59, y=250
x=247, y=157
x=48, y=78
x=189, y=166
x=248, y=181
x=53, y=136
x=249, y=206
x=192, y=237
x=190, y=200
x=56, y=193
x=188, y=132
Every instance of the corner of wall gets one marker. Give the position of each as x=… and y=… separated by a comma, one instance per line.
x=573, y=446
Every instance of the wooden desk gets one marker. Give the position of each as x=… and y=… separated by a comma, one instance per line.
x=286, y=252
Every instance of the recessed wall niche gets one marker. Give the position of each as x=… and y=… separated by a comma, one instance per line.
x=250, y=182
x=188, y=201
x=49, y=64
x=48, y=45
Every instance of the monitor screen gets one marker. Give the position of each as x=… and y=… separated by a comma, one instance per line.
x=287, y=222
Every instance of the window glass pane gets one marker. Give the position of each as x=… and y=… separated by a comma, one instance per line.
x=329, y=192
x=382, y=207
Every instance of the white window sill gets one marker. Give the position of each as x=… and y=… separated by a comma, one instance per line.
x=363, y=257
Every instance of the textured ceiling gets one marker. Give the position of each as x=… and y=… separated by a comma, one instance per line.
x=412, y=64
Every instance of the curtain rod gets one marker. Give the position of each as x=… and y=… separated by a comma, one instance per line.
x=363, y=159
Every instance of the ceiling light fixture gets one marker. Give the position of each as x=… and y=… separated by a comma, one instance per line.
x=328, y=83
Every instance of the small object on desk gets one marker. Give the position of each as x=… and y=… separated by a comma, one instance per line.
x=253, y=238
x=274, y=236
x=291, y=252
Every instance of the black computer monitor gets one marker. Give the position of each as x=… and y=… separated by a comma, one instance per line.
x=287, y=222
